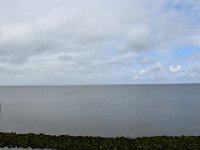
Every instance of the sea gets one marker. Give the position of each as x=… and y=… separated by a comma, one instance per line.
x=102, y=110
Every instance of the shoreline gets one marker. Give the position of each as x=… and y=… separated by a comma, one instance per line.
x=67, y=142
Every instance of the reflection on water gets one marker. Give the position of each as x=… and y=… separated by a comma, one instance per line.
x=125, y=110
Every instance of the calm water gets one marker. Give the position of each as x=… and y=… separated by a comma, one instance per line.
x=123, y=110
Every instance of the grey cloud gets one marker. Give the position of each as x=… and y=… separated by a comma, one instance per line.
x=138, y=39
x=72, y=38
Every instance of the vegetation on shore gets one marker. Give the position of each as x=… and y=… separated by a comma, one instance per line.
x=66, y=142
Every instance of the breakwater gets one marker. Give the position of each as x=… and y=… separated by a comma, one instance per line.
x=67, y=142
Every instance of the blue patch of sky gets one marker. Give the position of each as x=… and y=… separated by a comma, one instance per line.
x=149, y=54
x=136, y=66
x=182, y=7
x=188, y=9
x=178, y=52
x=178, y=56
x=184, y=52
x=170, y=5
x=111, y=51
x=182, y=56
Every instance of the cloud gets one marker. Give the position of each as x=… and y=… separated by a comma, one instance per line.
x=174, y=68
x=151, y=71
x=164, y=72
x=79, y=39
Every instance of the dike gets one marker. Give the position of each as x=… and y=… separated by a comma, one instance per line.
x=67, y=142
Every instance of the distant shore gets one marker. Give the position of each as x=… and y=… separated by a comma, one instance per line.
x=67, y=142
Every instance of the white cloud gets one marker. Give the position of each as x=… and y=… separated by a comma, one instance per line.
x=174, y=69
x=151, y=71
x=162, y=71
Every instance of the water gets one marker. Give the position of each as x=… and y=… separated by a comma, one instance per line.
x=123, y=110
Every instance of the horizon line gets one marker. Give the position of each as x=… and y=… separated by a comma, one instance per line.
x=181, y=83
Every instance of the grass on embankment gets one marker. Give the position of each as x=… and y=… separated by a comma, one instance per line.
x=66, y=142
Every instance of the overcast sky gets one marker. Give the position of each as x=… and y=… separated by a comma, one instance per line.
x=99, y=41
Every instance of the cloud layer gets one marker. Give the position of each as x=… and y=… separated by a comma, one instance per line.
x=99, y=42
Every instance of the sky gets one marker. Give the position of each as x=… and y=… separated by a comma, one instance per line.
x=64, y=42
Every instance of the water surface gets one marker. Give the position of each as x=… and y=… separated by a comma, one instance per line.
x=114, y=110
